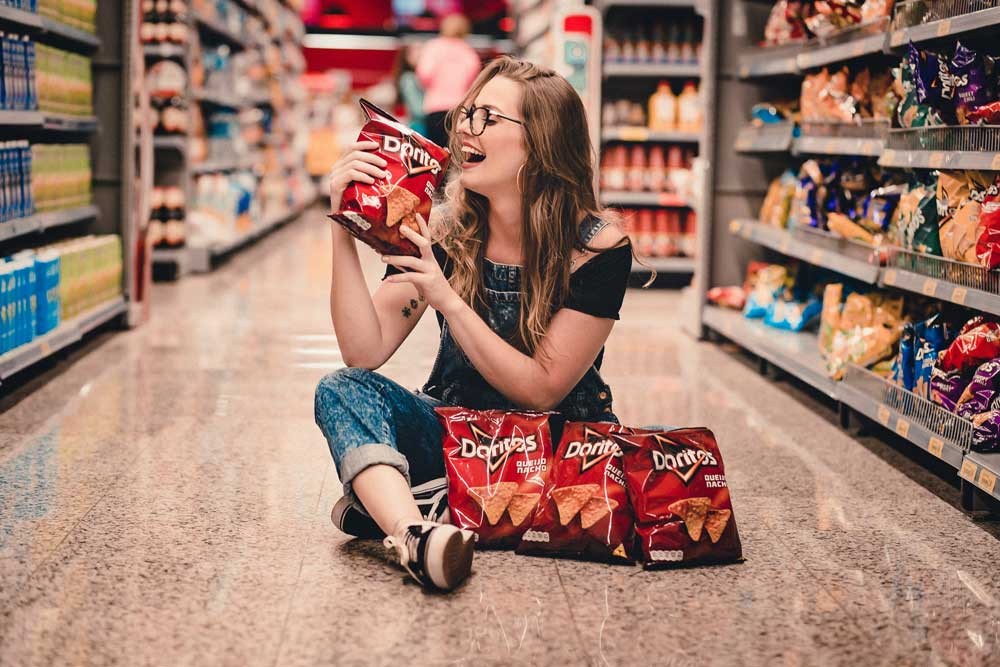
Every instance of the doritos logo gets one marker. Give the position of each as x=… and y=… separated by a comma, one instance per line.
x=495, y=451
x=414, y=158
x=596, y=448
x=682, y=462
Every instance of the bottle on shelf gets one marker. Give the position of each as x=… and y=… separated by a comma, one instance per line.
x=675, y=168
x=637, y=169
x=689, y=115
x=644, y=235
x=663, y=108
x=658, y=45
x=673, y=44
x=643, y=49
x=689, y=240
x=662, y=243
x=687, y=51
x=174, y=229
x=154, y=231
x=657, y=172
x=617, y=176
x=628, y=48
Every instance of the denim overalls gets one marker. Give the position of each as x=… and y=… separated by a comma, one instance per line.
x=368, y=419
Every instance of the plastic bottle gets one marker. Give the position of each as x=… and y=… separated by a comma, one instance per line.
x=637, y=169
x=675, y=165
x=689, y=116
x=689, y=241
x=661, y=234
x=616, y=168
x=643, y=49
x=658, y=45
x=628, y=48
x=657, y=172
x=663, y=108
x=644, y=236
x=673, y=44
x=687, y=51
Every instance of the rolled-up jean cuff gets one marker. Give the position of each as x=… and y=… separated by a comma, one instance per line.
x=358, y=458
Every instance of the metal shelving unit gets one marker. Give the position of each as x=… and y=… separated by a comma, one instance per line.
x=42, y=221
x=660, y=199
x=946, y=147
x=856, y=43
x=968, y=285
x=176, y=143
x=666, y=265
x=219, y=31
x=643, y=135
x=664, y=71
x=795, y=353
x=63, y=35
x=763, y=61
x=164, y=51
x=954, y=18
x=770, y=138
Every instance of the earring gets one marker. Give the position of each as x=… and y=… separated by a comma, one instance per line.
x=517, y=179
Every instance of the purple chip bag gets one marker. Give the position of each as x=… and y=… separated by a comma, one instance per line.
x=968, y=77
x=981, y=391
x=986, y=431
x=934, y=81
x=947, y=387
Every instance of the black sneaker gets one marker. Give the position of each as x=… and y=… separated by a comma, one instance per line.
x=431, y=497
x=437, y=555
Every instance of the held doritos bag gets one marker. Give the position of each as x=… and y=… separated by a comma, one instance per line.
x=373, y=213
x=497, y=464
x=584, y=511
x=677, y=485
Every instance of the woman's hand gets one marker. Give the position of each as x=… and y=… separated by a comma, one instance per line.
x=357, y=164
x=424, y=272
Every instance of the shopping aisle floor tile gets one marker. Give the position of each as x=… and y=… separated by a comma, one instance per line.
x=165, y=499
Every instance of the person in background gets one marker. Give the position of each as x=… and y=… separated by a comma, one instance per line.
x=446, y=68
x=408, y=89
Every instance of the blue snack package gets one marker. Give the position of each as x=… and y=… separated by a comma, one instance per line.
x=793, y=315
x=931, y=338
x=903, y=366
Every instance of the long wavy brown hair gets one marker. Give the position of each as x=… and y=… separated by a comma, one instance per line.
x=557, y=193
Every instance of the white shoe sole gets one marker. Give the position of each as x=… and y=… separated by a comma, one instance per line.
x=449, y=557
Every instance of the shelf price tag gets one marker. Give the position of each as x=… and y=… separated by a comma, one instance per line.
x=744, y=71
x=936, y=160
x=944, y=28
x=958, y=295
x=898, y=37
x=633, y=133
x=45, y=348
x=890, y=277
x=858, y=50
x=995, y=164
x=816, y=257
x=883, y=415
x=968, y=471
x=903, y=428
x=784, y=245
x=936, y=447
x=734, y=226
x=929, y=287
x=987, y=480
x=830, y=147
x=889, y=156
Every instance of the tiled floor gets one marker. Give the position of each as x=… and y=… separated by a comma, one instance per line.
x=164, y=500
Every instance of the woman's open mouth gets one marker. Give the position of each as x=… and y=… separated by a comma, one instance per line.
x=471, y=156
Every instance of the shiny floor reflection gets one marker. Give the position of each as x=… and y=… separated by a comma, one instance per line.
x=165, y=498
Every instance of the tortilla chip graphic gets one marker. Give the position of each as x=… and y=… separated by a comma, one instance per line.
x=693, y=512
x=570, y=499
x=716, y=523
x=493, y=499
x=595, y=510
x=521, y=506
x=400, y=204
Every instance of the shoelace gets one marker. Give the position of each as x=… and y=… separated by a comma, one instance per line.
x=405, y=547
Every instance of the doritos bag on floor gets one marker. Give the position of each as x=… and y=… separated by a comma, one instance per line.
x=677, y=485
x=584, y=511
x=497, y=464
x=374, y=213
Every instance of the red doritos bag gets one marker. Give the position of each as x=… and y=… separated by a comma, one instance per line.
x=374, y=213
x=677, y=486
x=497, y=464
x=584, y=511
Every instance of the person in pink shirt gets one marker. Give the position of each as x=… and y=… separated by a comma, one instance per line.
x=446, y=70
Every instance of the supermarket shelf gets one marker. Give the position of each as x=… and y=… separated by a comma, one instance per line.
x=769, y=61
x=929, y=426
x=945, y=147
x=217, y=98
x=58, y=122
x=829, y=255
x=968, y=285
x=178, y=143
x=64, y=335
x=692, y=70
x=68, y=36
x=20, y=19
x=605, y=5
x=237, y=162
x=819, y=54
x=982, y=470
x=643, y=134
x=665, y=265
x=837, y=146
x=795, y=353
x=945, y=27
x=664, y=199
x=221, y=32
x=770, y=138
x=164, y=50
x=264, y=228
x=42, y=221
x=20, y=118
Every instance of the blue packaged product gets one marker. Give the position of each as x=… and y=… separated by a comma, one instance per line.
x=902, y=368
x=793, y=315
x=4, y=66
x=4, y=301
x=932, y=336
x=32, y=84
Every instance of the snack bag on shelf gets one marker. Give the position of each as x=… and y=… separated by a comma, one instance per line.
x=972, y=89
x=988, y=242
x=829, y=320
x=959, y=196
x=374, y=213
x=769, y=283
x=916, y=226
x=774, y=211
x=782, y=28
x=870, y=326
x=980, y=404
x=677, y=485
x=497, y=464
x=792, y=315
x=584, y=510
x=974, y=345
x=841, y=225
x=728, y=296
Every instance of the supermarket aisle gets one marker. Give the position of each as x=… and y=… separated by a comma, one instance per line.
x=165, y=501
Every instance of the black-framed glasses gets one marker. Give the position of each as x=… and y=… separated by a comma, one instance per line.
x=480, y=117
